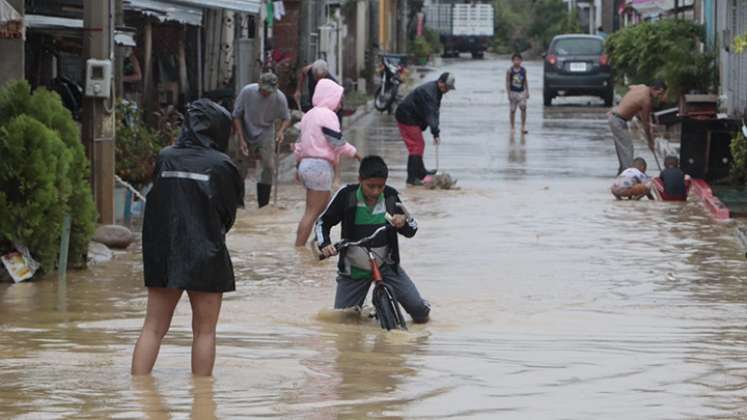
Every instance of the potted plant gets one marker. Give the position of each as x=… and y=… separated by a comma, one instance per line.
x=422, y=50
x=137, y=147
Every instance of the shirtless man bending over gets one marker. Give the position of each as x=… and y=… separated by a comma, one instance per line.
x=638, y=101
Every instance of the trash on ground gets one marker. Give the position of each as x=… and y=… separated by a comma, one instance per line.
x=19, y=264
x=99, y=253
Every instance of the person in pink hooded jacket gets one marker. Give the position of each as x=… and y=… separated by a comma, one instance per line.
x=318, y=152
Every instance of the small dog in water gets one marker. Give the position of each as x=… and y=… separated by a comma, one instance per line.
x=441, y=181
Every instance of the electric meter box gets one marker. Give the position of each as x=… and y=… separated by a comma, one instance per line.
x=98, y=78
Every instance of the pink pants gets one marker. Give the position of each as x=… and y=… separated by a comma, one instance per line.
x=413, y=137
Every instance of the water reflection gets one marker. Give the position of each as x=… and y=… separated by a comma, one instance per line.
x=152, y=404
x=370, y=367
x=203, y=399
x=517, y=153
x=152, y=401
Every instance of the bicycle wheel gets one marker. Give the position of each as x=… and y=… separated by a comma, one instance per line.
x=387, y=308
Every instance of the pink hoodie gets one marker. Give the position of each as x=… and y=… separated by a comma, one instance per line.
x=320, y=129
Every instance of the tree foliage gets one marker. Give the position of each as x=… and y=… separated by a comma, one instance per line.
x=740, y=43
x=665, y=49
x=551, y=18
x=511, y=23
x=27, y=165
x=522, y=25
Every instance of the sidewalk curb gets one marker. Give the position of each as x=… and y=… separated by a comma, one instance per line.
x=716, y=207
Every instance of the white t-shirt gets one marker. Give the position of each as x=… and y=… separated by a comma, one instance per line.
x=630, y=177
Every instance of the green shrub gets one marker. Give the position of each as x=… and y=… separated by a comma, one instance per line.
x=434, y=40
x=136, y=147
x=421, y=48
x=740, y=43
x=34, y=186
x=46, y=108
x=739, y=159
x=666, y=49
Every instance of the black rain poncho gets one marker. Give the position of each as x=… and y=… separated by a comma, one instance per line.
x=192, y=205
x=422, y=108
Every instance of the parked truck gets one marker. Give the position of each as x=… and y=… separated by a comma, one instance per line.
x=462, y=27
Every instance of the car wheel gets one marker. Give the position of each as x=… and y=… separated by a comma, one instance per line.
x=609, y=98
x=548, y=97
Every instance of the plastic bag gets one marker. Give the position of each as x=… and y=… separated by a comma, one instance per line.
x=19, y=264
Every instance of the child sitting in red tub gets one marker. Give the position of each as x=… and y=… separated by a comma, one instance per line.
x=672, y=184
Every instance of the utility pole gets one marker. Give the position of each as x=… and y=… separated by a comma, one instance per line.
x=403, y=27
x=98, y=113
x=307, y=8
x=119, y=57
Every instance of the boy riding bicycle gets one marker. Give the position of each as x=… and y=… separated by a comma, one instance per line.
x=362, y=209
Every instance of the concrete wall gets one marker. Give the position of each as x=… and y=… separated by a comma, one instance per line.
x=731, y=20
x=12, y=65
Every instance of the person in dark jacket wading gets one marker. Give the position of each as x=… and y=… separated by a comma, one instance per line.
x=191, y=207
x=418, y=111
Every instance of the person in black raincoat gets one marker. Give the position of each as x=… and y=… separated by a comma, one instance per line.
x=196, y=191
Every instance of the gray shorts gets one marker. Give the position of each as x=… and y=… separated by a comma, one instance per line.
x=351, y=293
x=262, y=148
x=517, y=100
x=316, y=174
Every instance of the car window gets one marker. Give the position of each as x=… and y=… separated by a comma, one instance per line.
x=578, y=46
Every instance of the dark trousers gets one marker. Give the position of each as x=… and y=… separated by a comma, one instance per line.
x=352, y=293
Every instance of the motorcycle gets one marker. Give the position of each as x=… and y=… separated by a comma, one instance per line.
x=391, y=71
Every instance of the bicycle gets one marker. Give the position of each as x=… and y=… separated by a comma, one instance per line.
x=387, y=307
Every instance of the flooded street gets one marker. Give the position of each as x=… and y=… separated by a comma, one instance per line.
x=550, y=299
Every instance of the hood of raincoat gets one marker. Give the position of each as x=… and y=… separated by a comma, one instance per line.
x=327, y=94
x=206, y=124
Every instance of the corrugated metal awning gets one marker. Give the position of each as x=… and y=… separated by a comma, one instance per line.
x=11, y=22
x=124, y=39
x=166, y=11
x=52, y=22
x=246, y=6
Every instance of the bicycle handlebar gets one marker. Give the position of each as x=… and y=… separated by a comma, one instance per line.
x=339, y=246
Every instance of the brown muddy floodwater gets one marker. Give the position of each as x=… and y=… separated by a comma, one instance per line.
x=550, y=299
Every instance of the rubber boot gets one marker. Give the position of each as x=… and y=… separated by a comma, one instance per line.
x=412, y=171
x=421, y=171
x=263, y=194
